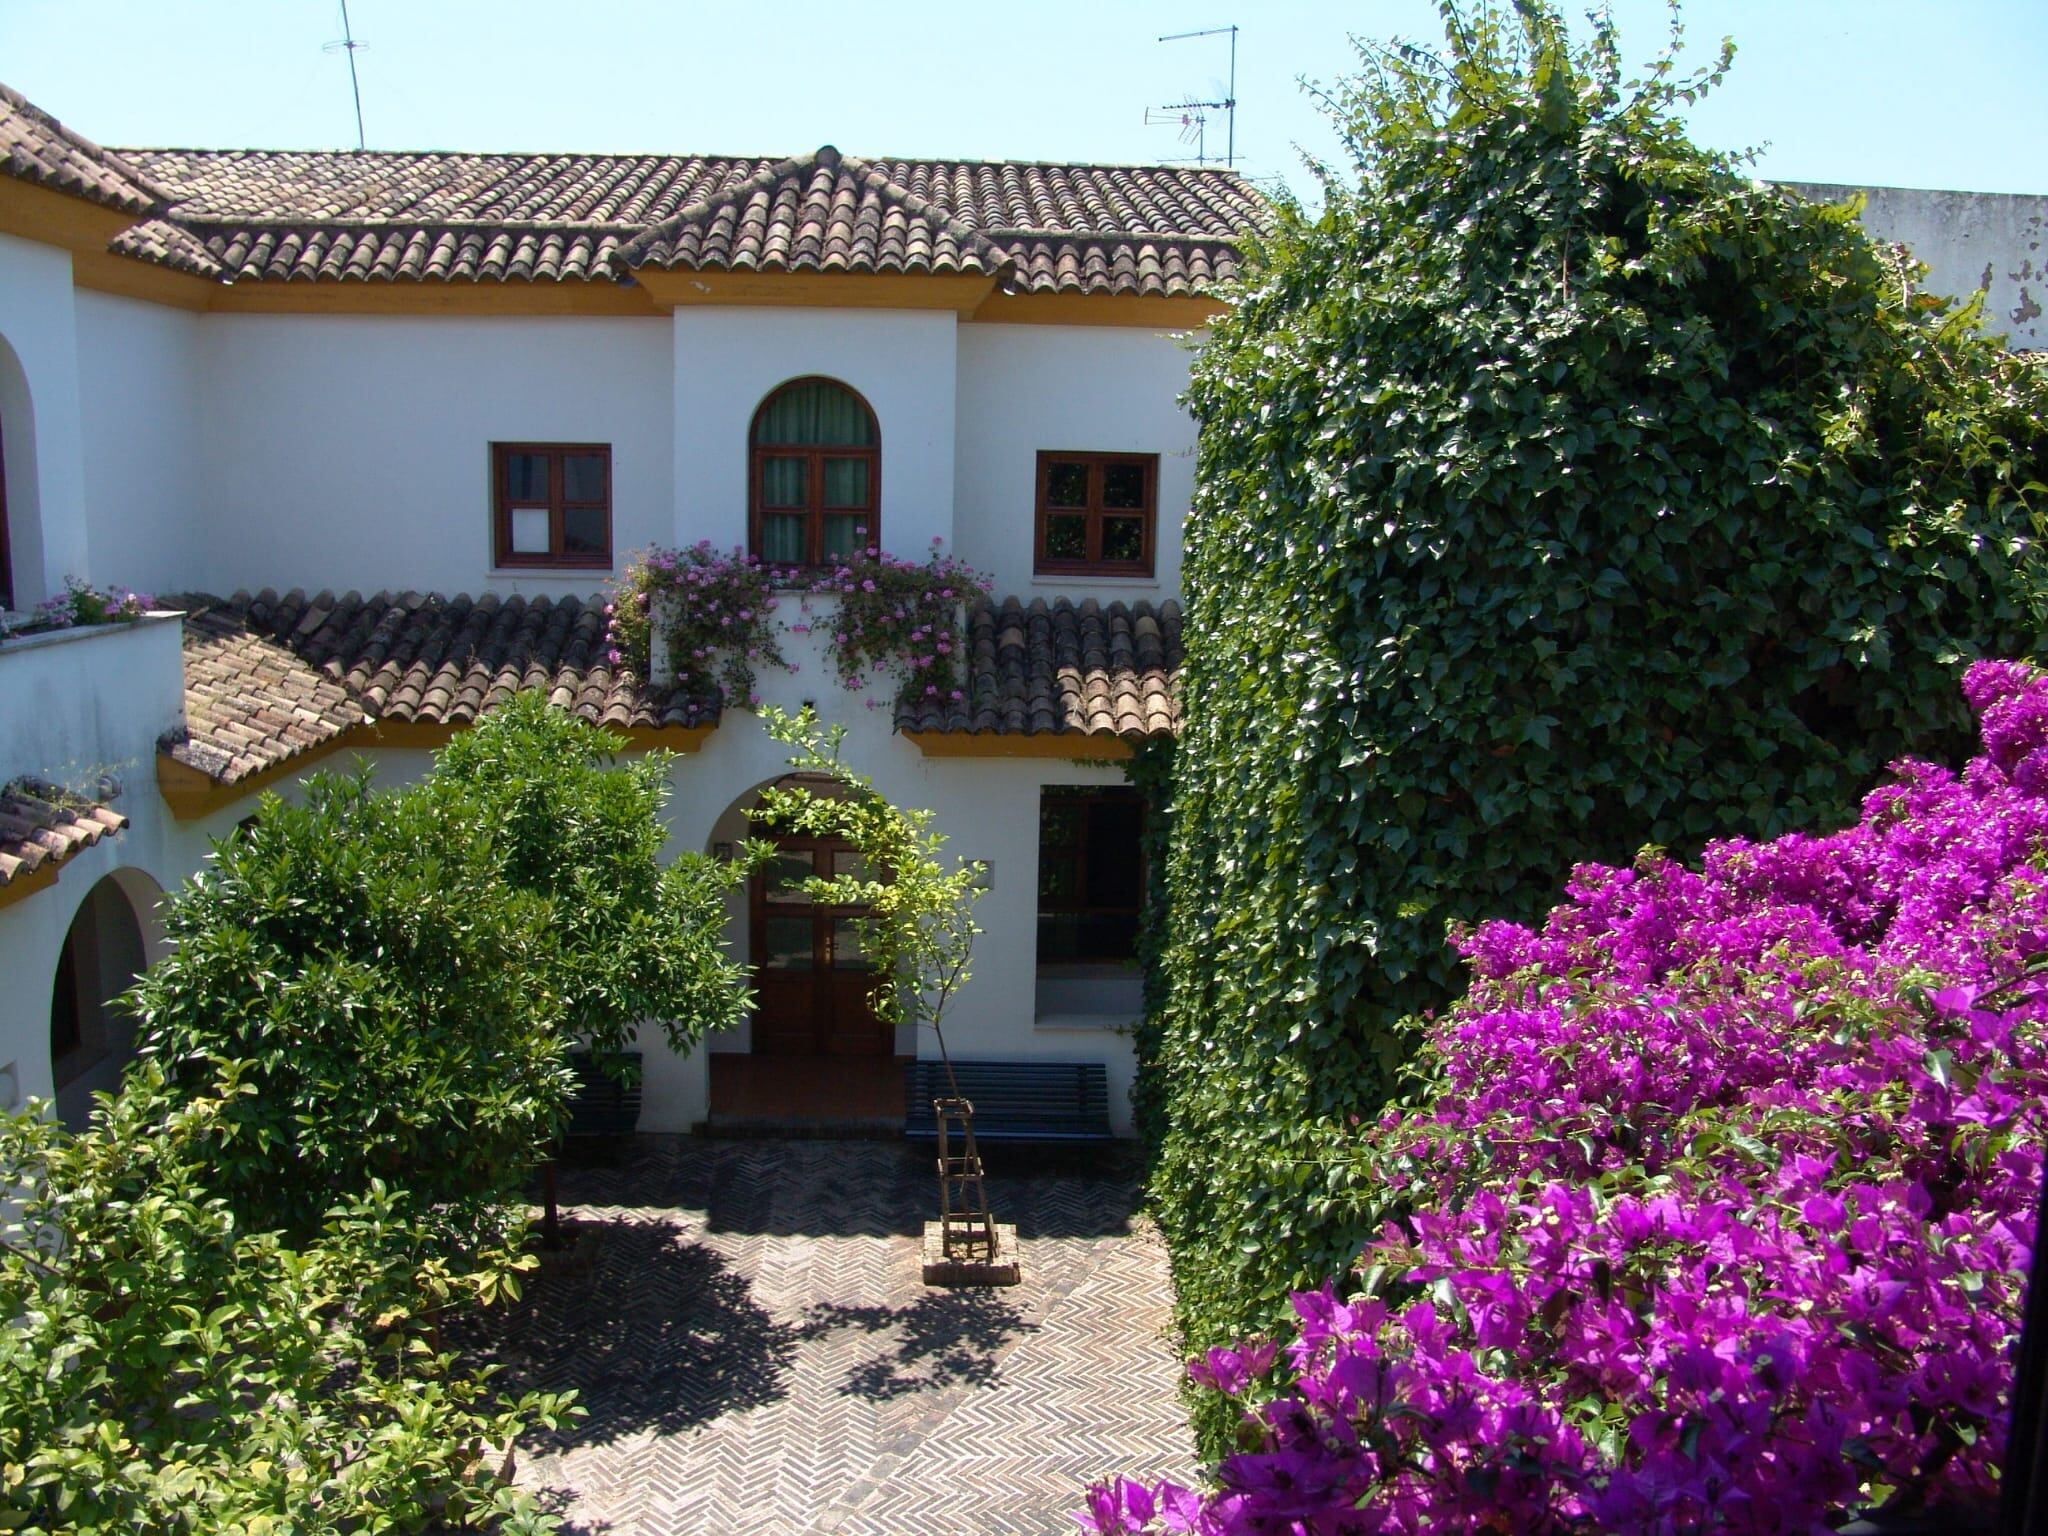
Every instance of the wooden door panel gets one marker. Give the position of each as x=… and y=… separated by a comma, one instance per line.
x=811, y=981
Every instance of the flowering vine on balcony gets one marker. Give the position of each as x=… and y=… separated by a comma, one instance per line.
x=719, y=616
x=895, y=611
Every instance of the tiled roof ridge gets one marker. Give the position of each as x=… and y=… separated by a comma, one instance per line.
x=1019, y=162
x=638, y=251
x=996, y=259
x=141, y=195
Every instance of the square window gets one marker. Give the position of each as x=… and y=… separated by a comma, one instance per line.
x=1123, y=486
x=1066, y=538
x=1066, y=483
x=583, y=530
x=583, y=479
x=1123, y=540
x=553, y=504
x=1096, y=513
x=529, y=530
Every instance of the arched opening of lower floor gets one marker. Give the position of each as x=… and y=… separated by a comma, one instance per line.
x=92, y=1037
x=813, y=1049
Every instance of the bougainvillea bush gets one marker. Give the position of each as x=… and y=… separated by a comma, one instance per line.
x=1561, y=489
x=1713, y=1209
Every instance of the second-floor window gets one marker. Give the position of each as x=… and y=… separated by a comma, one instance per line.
x=1096, y=513
x=815, y=462
x=553, y=503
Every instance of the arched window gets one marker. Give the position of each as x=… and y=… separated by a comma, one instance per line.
x=816, y=475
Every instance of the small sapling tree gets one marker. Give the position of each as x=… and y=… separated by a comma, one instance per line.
x=920, y=927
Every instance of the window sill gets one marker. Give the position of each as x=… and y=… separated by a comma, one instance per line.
x=551, y=572
x=1085, y=1023
x=1135, y=583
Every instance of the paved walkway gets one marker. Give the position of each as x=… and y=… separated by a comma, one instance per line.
x=760, y=1357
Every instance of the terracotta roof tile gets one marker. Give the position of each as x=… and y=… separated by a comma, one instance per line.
x=1064, y=668
x=35, y=147
x=339, y=216
x=250, y=702
x=268, y=677
x=41, y=827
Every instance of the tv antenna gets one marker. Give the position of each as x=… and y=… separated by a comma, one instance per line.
x=347, y=44
x=1194, y=118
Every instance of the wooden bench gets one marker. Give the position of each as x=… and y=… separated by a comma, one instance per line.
x=1014, y=1100
x=603, y=1105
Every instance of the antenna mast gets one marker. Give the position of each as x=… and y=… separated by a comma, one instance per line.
x=349, y=45
x=1228, y=105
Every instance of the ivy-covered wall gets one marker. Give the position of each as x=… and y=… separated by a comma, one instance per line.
x=1560, y=491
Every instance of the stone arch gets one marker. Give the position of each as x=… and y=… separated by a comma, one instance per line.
x=21, y=524
x=114, y=936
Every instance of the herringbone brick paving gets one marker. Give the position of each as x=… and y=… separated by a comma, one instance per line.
x=760, y=1356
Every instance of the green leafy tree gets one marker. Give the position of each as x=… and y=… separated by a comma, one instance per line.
x=1561, y=490
x=401, y=974
x=920, y=927
x=165, y=1369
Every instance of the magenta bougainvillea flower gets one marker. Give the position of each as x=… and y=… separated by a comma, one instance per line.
x=1716, y=1208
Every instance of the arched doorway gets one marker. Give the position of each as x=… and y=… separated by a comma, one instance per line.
x=91, y=1039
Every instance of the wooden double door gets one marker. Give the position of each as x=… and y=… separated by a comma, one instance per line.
x=812, y=980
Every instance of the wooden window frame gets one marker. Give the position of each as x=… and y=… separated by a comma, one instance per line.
x=814, y=509
x=1082, y=798
x=1093, y=563
x=555, y=557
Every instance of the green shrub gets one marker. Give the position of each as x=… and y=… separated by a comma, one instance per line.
x=401, y=973
x=1560, y=491
x=163, y=1369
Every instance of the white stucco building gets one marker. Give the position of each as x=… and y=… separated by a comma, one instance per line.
x=389, y=423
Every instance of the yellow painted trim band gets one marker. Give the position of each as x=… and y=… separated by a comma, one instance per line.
x=1069, y=746
x=192, y=794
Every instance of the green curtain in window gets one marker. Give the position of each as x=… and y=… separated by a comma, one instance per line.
x=846, y=482
x=785, y=482
x=815, y=414
x=782, y=538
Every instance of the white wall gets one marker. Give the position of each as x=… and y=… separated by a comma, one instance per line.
x=1971, y=242
x=138, y=373
x=39, y=419
x=728, y=360
x=77, y=707
x=354, y=452
x=1023, y=388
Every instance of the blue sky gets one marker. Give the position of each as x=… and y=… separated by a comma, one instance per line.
x=1946, y=93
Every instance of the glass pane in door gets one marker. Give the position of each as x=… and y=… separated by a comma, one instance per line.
x=847, y=953
x=786, y=943
x=783, y=873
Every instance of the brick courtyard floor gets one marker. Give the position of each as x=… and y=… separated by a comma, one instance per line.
x=760, y=1356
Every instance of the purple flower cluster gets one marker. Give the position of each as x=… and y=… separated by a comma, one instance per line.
x=1715, y=1211
x=718, y=610
x=902, y=613
x=80, y=604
